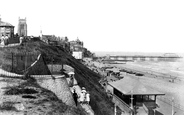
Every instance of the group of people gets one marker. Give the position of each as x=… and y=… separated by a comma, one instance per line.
x=84, y=97
x=4, y=40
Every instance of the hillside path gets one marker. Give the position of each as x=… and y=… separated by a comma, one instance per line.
x=77, y=88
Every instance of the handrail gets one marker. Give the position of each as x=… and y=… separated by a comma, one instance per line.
x=122, y=102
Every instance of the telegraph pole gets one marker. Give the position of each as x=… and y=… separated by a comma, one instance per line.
x=52, y=65
x=172, y=105
x=131, y=106
x=12, y=61
x=25, y=55
x=115, y=111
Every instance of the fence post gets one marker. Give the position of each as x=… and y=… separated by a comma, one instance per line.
x=115, y=109
x=172, y=105
x=12, y=61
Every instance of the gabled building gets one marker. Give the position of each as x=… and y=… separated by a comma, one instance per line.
x=47, y=38
x=76, y=45
x=6, y=29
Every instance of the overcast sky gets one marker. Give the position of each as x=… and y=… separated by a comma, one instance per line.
x=104, y=25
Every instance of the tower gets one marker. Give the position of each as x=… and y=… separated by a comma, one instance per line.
x=22, y=27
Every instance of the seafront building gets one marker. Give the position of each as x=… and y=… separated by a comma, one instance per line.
x=131, y=96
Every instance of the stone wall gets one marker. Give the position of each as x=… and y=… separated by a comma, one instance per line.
x=60, y=87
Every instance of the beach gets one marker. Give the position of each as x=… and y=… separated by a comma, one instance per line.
x=157, y=76
x=162, y=84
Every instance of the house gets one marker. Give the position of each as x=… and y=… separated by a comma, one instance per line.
x=6, y=29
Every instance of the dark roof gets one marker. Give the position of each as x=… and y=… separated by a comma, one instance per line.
x=129, y=85
x=6, y=24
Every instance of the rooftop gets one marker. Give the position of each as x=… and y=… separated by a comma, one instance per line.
x=6, y=24
x=129, y=86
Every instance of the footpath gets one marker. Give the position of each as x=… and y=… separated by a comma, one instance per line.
x=77, y=88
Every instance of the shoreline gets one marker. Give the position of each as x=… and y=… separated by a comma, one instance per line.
x=171, y=89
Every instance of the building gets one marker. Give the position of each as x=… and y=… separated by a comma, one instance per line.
x=131, y=96
x=77, y=55
x=6, y=29
x=22, y=27
x=47, y=38
x=76, y=45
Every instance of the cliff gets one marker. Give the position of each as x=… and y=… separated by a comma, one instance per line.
x=100, y=103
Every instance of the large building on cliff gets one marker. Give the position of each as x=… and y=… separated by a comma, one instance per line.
x=76, y=45
x=22, y=27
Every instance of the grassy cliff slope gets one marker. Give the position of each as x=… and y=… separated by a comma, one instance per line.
x=100, y=103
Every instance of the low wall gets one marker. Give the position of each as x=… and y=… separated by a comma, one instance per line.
x=59, y=86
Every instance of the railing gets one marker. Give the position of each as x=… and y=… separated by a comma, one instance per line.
x=4, y=73
x=169, y=101
x=121, y=104
x=145, y=108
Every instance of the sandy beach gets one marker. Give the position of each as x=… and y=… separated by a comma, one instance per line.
x=162, y=84
x=171, y=89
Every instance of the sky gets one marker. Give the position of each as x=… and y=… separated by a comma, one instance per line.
x=104, y=25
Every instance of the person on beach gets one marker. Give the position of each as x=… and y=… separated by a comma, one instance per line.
x=75, y=96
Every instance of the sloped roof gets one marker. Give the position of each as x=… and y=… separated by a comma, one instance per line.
x=113, y=69
x=6, y=24
x=129, y=86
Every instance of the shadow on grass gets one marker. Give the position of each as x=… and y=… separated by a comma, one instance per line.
x=7, y=106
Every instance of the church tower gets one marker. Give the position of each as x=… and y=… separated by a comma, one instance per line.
x=22, y=27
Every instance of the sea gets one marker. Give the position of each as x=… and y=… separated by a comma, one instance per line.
x=175, y=68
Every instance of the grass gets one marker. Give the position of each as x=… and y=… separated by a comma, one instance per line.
x=7, y=106
x=37, y=97
x=84, y=76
